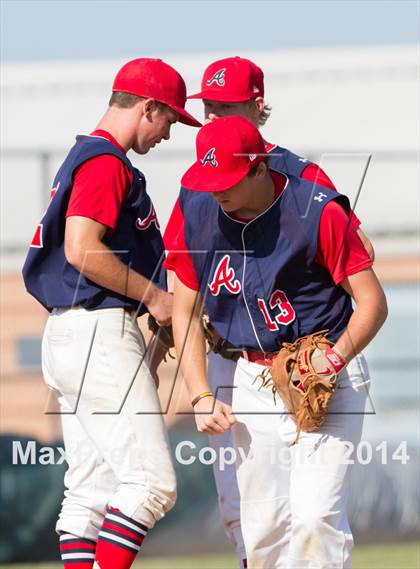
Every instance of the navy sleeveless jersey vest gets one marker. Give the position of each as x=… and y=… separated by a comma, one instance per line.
x=283, y=160
x=136, y=240
x=276, y=291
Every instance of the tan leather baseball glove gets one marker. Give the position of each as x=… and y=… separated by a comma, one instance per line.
x=304, y=375
x=163, y=334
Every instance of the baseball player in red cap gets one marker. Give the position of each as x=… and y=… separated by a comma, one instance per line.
x=235, y=86
x=95, y=263
x=274, y=258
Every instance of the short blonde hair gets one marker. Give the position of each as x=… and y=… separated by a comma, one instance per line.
x=123, y=100
x=265, y=113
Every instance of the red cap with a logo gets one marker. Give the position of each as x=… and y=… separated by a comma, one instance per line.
x=233, y=79
x=156, y=79
x=226, y=151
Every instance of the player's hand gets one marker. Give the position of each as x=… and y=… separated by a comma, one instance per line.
x=213, y=417
x=326, y=363
x=160, y=307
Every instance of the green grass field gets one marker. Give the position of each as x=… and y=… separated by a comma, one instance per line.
x=403, y=556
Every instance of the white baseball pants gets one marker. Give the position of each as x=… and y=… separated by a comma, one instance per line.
x=293, y=498
x=114, y=435
x=220, y=375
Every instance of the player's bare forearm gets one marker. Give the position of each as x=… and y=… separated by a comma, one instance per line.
x=369, y=315
x=211, y=415
x=104, y=268
x=85, y=251
x=189, y=338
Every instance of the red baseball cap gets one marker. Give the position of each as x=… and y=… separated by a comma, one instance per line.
x=226, y=150
x=154, y=78
x=233, y=79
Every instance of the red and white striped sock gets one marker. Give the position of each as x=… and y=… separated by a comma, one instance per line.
x=76, y=552
x=119, y=541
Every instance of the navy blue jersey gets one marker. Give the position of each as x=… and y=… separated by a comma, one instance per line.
x=259, y=279
x=283, y=160
x=136, y=239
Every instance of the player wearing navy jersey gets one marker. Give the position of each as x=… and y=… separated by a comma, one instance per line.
x=235, y=86
x=95, y=263
x=273, y=258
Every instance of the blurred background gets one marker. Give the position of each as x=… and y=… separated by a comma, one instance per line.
x=342, y=78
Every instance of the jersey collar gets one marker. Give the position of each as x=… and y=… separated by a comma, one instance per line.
x=108, y=136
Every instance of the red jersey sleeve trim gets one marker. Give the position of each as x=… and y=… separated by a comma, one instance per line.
x=338, y=278
x=100, y=186
x=178, y=258
x=174, y=266
x=340, y=249
x=355, y=221
x=313, y=173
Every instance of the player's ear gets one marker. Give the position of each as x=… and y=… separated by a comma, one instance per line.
x=260, y=104
x=149, y=105
x=261, y=171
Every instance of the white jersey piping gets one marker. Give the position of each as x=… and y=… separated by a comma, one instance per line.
x=247, y=224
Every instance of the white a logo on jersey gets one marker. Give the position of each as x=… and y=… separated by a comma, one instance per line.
x=218, y=78
x=210, y=158
x=224, y=276
x=145, y=223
